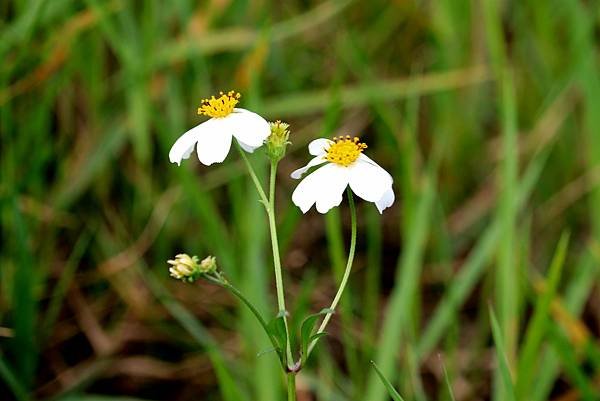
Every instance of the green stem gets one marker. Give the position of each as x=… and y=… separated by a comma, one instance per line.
x=269, y=204
x=277, y=261
x=344, y=281
x=257, y=184
x=274, y=240
x=225, y=284
x=291, y=386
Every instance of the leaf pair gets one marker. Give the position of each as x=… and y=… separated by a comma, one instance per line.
x=276, y=329
x=306, y=333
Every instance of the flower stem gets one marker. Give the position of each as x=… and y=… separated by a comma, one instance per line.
x=269, y=204
x=221, y=281
x=344, y=281
x=277, y=261
x=291, y=386
x=257, y=184
x=274, y=240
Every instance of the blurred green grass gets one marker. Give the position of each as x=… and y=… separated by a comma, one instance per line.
x=486, y=114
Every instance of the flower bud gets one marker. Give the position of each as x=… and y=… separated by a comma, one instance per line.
x=184, y=267
x=278, y=140
x=208, y=264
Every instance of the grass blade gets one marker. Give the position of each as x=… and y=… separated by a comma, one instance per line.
x=401, y=301
x=538, y=325
x=475, y=264
x=447, y=380
x=24, y=303
x=12, y=381
x=573, y=369
x=61, y=288
x=502, y=360
x=362, y=94
x=576, y=294
x=391, y=390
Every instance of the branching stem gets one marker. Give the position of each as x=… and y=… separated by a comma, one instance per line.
x=269, y=204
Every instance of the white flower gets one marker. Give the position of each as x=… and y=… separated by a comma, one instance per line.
x=213, y=137
x=346, y=165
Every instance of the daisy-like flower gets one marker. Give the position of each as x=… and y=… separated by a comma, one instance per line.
x=346, y=165
x=212, y=138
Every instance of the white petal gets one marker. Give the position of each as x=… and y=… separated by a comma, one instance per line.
x=247, y=127
x=386, y=200
x=319, y=146
x=367, y=159
x=369, y=181
x=183, y=147
x=213, y=142
x=324, y=187
x=296, y=174
x=247, y=148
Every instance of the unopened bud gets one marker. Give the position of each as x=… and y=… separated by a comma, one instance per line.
x=184, y=267
x=208, y=264
x=278, y=140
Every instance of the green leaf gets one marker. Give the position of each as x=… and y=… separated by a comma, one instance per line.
x=25, y=305
x=393, y=393
x=12, y=380
x=509, y=390
x=540, y=321
x=306, y=330
x=276, y=328
x=266, y=351
x=447, y=379
x=317, y=336
x=573, y=367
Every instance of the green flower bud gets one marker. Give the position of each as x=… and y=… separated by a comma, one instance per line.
x=278, y=140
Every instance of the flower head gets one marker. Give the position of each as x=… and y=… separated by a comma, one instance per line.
x=346, y=164
x=184, y=267
x=219, y=107
x=344, y=150
x=212, y=138
x=278, y=141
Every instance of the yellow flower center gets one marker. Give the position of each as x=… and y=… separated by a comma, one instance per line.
x=219, y=107
x=345, y=150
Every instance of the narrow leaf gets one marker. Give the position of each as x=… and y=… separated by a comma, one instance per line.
x=538, y=325
x=276, y=328
x=306, y=330
x=502, y=359
x=447, y=379
x=11, y=379
x=393, y=393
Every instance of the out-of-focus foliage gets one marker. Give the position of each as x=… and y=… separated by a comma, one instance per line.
x=486, y=113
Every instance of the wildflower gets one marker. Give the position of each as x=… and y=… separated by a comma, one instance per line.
x=184, y=267
x=346, y=165
x=213, y=137
x=277, y=142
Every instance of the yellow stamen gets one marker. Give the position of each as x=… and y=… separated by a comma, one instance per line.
x=345, y=150
x=221, y=106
